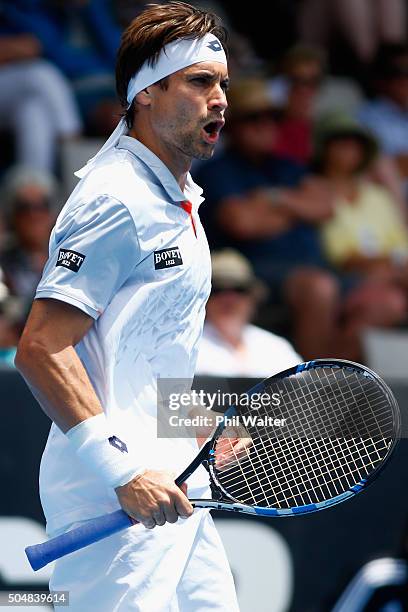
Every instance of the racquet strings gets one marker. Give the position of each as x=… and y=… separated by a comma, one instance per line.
x=338, y=428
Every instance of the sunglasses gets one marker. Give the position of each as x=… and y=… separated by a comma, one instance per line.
x=396, y=73
x=21, y=205
x=241, y=290
x=261, y=116
x=306, y=81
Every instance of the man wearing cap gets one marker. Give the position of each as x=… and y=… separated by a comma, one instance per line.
x=120, y=304
x=231, y=345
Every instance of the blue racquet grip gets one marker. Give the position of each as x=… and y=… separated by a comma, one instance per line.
x=93, y=531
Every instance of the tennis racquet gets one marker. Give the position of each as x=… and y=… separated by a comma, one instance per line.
x=341, y=423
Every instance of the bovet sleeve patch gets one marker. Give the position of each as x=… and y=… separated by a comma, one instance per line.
x=167, y=258
x=70, y=259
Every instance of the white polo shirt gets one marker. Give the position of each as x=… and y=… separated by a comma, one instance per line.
x=260, y=355
x=125, y=252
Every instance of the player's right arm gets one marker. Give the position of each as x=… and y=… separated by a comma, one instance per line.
x=47, y=359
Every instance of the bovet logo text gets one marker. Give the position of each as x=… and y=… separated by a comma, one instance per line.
x=70, y=259
x=167, y=258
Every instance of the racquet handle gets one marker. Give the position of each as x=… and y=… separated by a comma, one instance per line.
x=40, y=555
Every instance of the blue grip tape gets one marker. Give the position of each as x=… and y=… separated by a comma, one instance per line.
x=89, y=533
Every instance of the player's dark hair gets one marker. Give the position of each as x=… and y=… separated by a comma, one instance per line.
x=157, y=26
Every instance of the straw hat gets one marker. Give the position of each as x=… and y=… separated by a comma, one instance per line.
x=337, y=124
x=230, y=270
x=249, y=95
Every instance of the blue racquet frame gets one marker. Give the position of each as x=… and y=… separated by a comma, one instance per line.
x=101, y=527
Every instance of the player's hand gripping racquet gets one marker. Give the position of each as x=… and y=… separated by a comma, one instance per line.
x=341, y=424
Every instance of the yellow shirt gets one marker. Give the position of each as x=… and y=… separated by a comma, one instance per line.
x=371, y=226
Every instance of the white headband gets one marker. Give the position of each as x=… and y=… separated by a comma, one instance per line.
x=173, y=57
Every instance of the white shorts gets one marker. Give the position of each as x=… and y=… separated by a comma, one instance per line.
x=175, y=568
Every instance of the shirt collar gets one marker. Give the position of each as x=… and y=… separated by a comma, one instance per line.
x=162, y=173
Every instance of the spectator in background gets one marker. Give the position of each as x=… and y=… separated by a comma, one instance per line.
x=268, y=209
x=297, y=90
x=28, y=201
x=365, y=24
x=230, y=345
x=305, y=90
x=36, y=102
x=365, y=239
x=387, y=114
x=10, y=314
x=81, y=38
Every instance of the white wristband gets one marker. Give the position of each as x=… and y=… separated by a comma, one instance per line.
x=102, y=451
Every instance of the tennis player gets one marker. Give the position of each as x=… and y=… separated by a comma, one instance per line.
x=120, y=304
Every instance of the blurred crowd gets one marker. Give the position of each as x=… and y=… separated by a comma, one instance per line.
x=306, y=197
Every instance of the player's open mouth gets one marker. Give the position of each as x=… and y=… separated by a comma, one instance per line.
x=211, y=131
